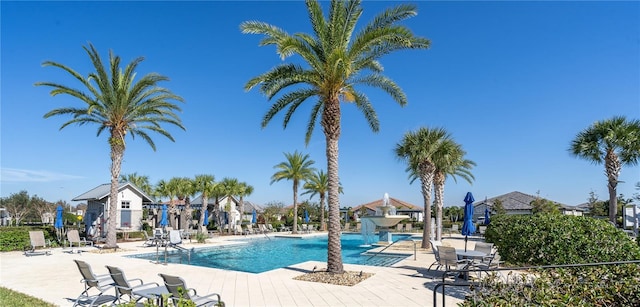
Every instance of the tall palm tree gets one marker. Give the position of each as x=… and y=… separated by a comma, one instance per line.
x=185, y=188
x=140, y=181
x=244, y=190
x=614, y=142
x=117, y=103
x=229, y=187
x=418, y=149
x=204, y=184
x=318, y=184
x=338, y=59
x=449, y=161
x=297, y=167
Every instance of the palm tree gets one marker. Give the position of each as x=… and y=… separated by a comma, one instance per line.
x=139, y=181
x=204, y=184
x=319, y=184
x=614, y=142
x=229, y=187
x=449, y=161
x=244, y=190
x=115, y=102
x=338, y=60
x=297, y=167
x=418, y=149
x=185, y=188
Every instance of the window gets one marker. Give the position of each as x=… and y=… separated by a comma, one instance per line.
x=125, y=204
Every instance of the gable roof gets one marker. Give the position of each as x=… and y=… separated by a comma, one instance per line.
x=102, y=191
x=515, y=201
x=212, y=200
x=399, y=204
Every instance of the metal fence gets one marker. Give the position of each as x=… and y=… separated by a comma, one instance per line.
x=480, y=285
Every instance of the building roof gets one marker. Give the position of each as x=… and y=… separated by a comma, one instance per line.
x=102, y=191
x=519, y=201
x=212, y=200
x=399, y=204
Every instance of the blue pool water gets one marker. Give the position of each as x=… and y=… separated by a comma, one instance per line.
x=261, y=255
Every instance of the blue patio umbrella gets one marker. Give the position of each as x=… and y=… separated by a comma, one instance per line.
x=306, y=216
x=467, y=227
x=205, y=222
x=58, y=222
x=486, y=216
x=254, y=217
x=164, y=221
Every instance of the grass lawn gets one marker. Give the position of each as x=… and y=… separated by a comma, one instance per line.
x=13, y=298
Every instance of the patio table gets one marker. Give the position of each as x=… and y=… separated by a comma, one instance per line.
x=153, y=293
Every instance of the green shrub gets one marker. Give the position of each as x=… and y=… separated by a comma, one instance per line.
x=17, y=238
x=544, y=239
x=561, y=239
x=10, y=297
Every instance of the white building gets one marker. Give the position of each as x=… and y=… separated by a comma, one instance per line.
x=129, y=209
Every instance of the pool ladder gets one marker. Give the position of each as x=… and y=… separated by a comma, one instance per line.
x=385, y=248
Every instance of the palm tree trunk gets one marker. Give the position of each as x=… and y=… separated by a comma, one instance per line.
x=323, y=225
x=612, y=168
x=438, y=183
x=334, y=246
x=202, y=209
x=295, y=206
x=117, y=152
x=426, y=178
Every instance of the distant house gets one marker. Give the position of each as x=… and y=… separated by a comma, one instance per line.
x=517, y=203
x=402, y=208
x=234, y=217
x=129, y=209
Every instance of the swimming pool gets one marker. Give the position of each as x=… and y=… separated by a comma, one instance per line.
x=261, y=255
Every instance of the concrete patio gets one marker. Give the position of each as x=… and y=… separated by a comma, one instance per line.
x=56, y=278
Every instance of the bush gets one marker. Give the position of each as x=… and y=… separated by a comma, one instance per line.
x=17, y=238
x=560, y=239
x=545, y=239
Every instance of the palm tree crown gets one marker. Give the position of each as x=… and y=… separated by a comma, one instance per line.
x=338, y=59
x=121, y=105
x=614, y=142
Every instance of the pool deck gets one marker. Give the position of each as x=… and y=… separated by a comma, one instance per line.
x=56, y=279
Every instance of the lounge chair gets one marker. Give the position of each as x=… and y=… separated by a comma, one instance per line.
x=408, y=227
x=434, y=248
x=73, y=236
x=449, y=260
x=270, y=228
x=148, y=241
x=37, y=240
x=124, y=286
x=97, y=284
x=179, y=290
x=492, y=263
x=400, y=228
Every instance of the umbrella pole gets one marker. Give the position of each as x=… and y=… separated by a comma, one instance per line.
x=465, y=243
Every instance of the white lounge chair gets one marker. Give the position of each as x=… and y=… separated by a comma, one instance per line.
x=73, y=236
x=94, y=287
x=179, y=290
x=37, y=240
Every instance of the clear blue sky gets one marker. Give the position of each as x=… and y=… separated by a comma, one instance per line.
x=513, y=82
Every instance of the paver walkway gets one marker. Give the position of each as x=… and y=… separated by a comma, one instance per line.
x=56, y=279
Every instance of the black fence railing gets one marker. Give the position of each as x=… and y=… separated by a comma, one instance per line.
x=478, y=285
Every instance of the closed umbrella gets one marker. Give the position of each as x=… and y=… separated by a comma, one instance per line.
x=254, y=217
x=467, y=227
x=164, y=221
x=205, y=222
x=58, y=222
x=486, y=216
x=306, y=216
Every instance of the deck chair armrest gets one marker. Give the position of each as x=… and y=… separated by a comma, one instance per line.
x=151, y=284
x=135, y=279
